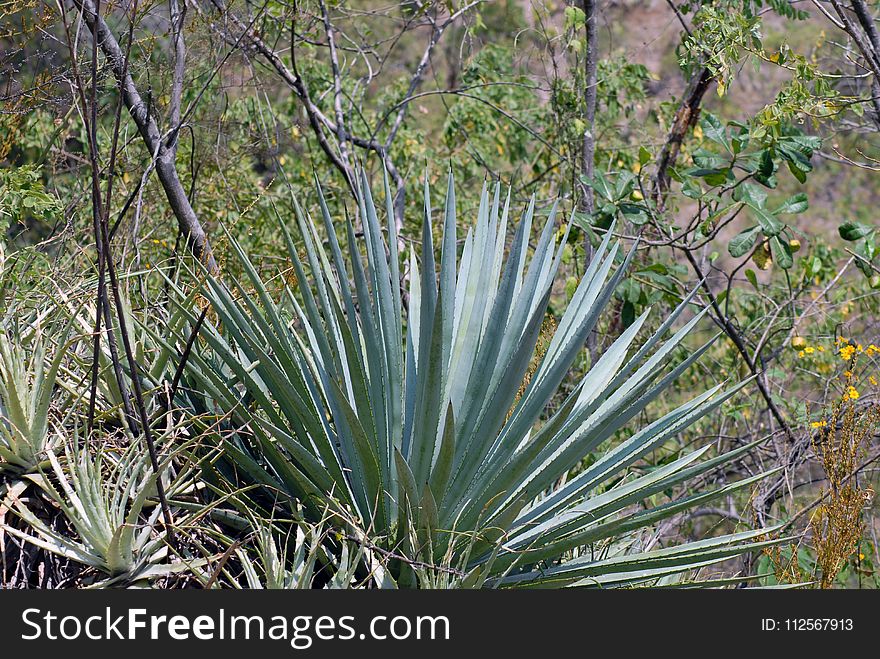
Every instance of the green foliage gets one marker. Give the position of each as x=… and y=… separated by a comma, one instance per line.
x=490, y=125
x=618, y=200
x=22, y=196
x=621, y=88
x=287, y=388
x=721, y=180
x=718, y=40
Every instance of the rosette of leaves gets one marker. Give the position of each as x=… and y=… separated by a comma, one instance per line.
x=411, y=410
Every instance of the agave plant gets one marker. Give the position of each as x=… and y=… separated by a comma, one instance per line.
x=27, y=381
x=419, y=417
x=280, y=562
x=108, y=498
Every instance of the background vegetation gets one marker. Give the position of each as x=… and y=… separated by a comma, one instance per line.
x=192, y=373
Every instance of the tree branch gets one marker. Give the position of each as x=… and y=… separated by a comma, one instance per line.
x=187, y=219
x=685, y=118
x=178, y=15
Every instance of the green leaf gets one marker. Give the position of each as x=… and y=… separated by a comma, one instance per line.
x=600, y=184
x=743, y=242
x=751, y=195
x=770, y=224
x=794, y=205
x=752, y=277
x=635, y=213
x=713, y=129
x=852, y=230
x=766, y=168
x=781, y=253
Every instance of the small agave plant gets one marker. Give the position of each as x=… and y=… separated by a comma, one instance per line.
x=28, y=377
x=414, y=417
x=296, y=559
x=108, y=498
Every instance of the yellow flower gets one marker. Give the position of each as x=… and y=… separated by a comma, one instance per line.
x=847, y=352
x=872, y=380
x=852, y=393
x=818, y=424
x=809, y=350
x=821, y=349
x=800, y=354
x=847, y=374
